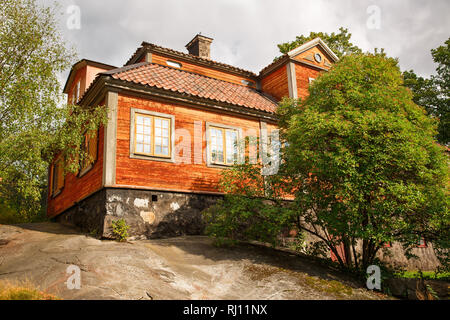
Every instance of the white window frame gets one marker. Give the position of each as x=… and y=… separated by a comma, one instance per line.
x=174, y=64
x=140, y=155
x=224, y=127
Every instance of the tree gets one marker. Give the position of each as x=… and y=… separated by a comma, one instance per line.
x=339, y=43
x=34, y=122
x=250, y=210
x=433, y=94
x=364, y=158
x=361, y=162
x=441, y=56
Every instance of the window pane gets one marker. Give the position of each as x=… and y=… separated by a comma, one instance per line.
x=143, y=133
x=157, y=149
x=165, y=151
x=165, y=124
x=216, y=145
x=232, y=151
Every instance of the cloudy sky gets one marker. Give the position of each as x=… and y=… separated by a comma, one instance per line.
x=246, y=32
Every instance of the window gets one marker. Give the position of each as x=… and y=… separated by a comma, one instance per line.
x=223, y=145
x=422, y=243
x=152, y=135
x=173, y=64
x=57, y=177
x=387, y=244
x=311, y=80
x=247, y=83
x=76, y=93
x=318, y=57
x=89, y=146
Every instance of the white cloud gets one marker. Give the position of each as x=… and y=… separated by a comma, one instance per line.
x=246, y=32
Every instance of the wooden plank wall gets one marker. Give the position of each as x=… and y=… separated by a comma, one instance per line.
x=77, y=188
x=166, y=175
x=276, y=83
x=302, y=74
x=209, y=72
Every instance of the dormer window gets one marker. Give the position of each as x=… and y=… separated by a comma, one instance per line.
x=247, y=83
x=173, y=64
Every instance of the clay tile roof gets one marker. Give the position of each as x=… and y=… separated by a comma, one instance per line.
x=180, y=54
x=184, y=82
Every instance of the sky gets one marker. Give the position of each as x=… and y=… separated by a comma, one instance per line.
x=246, y=32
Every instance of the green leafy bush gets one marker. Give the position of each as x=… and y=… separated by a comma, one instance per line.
x=120, y=229
x=239, y=218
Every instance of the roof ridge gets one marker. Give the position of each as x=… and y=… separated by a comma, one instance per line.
x=149, y=44
x=124, y=68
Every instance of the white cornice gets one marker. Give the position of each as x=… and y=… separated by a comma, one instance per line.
x=308, y=45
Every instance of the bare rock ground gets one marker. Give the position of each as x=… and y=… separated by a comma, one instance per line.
x=176, y=268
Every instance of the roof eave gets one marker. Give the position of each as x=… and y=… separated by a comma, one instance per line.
x=308, y=45
x=104, y=83
x=80, y=64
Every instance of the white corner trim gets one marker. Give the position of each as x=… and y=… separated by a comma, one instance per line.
x=315, y=42
x=110, y=140
x=292, y=81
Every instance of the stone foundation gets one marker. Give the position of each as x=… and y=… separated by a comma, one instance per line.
x=150, y=214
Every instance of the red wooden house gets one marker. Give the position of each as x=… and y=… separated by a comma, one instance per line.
x=174, y=120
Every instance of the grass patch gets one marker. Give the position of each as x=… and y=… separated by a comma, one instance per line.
x=329, y=286
x=428, y=275
x=258, y=273
x=333, y=287
x=22, y=291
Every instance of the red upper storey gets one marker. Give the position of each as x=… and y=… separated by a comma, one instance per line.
x=193, y=109
x=195, y=74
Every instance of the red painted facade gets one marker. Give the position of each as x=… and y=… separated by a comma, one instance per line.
x=186, y=171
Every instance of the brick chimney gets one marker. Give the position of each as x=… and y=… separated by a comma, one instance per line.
x=200, y=46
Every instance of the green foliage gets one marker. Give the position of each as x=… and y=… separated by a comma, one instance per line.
x=434, y=93
x=120, y=229
x=441, y=56
x=339, y=43
x=363, y=161
x=299, y=243
x=247, y=212
x=34, y=122
x=428, y=275
x=13, y=213
x=22, y=291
